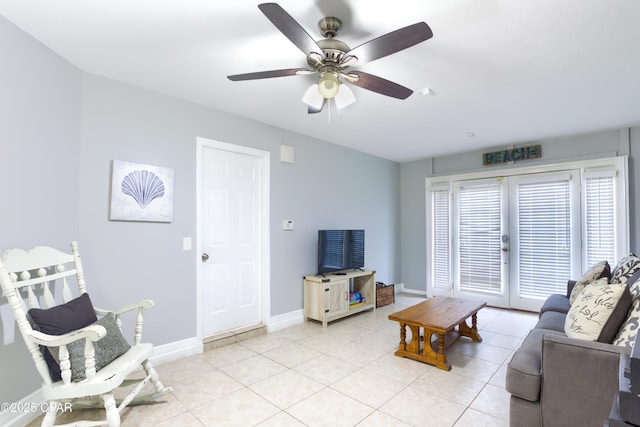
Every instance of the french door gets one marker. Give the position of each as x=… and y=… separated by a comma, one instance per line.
x=544, y=227
x=515, y=238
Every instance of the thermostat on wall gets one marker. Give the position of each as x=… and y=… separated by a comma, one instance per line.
x=287, y=224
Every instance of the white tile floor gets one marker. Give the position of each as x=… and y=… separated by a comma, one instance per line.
x=345, y=375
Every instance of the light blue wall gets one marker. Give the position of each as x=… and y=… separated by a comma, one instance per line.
x=413, y=226
x=328, y=186
x=61, y=128
x=556, y=150
x=39, y=153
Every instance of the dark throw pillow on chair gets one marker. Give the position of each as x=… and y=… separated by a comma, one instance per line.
x=68, y=317
x=59, y=320
x=64, y=318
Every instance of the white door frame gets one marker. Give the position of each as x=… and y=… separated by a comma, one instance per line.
x=264, y=156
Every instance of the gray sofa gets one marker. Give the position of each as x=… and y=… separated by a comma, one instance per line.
x=559, y=381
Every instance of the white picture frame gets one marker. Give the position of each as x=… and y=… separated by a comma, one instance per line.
x=141, y=192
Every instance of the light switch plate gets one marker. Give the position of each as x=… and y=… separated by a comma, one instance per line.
x=186, y=243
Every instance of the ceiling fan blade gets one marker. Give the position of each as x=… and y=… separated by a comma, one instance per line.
x=270, y=74
x=290, y=28
x=314, y=110
x=392, y=42
x=380, y=85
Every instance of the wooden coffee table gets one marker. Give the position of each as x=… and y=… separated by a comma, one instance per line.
x=438, y=317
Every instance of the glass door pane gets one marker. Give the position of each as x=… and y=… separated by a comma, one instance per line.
x=441, y=243
x=599, y=224
x=545, y=236
x=480, y=225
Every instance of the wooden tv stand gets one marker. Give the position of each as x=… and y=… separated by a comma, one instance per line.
x=326, y=298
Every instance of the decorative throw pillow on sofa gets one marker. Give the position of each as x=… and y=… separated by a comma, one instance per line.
x=597, y=271
x=596, y=309
x=633, y=283
x=625, y=268
x=629, y=329
x=627, y=334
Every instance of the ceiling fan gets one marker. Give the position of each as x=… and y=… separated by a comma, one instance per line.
x=331, y=59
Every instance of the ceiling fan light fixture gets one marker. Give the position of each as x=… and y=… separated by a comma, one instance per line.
x=344, y=97
x=328, y=85
x=313, y=98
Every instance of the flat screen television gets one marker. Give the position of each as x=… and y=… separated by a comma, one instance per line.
x=340, y=250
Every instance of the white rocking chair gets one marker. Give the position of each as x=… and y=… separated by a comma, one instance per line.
x=77, y=355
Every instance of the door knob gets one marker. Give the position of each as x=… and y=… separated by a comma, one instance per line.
x=205, y=256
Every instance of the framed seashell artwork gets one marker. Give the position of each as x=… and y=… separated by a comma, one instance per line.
x=141, y=192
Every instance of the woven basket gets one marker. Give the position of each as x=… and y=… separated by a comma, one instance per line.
x=385, y=294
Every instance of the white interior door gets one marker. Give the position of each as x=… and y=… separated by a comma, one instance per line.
x=233, y=264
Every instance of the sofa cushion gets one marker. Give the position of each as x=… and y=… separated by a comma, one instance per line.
x=525, y=368
x=625, y=268
x=599, y=301
x=552, y=320
x=555, y=302
x=597, y=271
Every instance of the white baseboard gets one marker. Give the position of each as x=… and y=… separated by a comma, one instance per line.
x=176, y=350
x=285, y=320
x=402, y=288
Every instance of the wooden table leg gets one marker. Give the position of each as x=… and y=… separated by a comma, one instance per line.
x=435, y=356
x=414, y=345
x=403, y=338
x=471, y=332
x=427, y=354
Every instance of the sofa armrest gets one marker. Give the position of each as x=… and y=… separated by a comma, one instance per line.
x=580, y=380
x=570, y=285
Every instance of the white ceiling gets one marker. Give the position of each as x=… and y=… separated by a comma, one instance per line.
x=508, y=71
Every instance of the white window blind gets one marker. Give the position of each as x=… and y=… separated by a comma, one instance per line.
x=441, y=238
x=479, y=237
x=544, y=235
x=599, y=228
